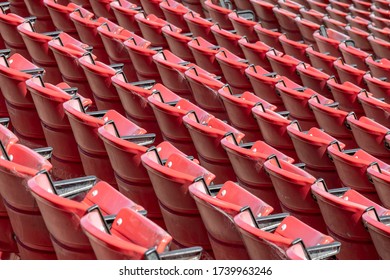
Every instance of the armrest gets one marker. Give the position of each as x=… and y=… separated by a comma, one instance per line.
x=97, y=114
x=246, y=14
x=157, y=49
x=300, y=165
x=4, y=121
x=52, y=33
x=188, y=34
x=46, y=152
x=33, y=71
x=147, y=84
x=271, y=222
x=184, y=63
x=5, y=52
x=117, y=66
x=332, y=105
x=247, y=145
x=192, y=253
x=270, y=74
x=214, y=189
x=338, y=192
x=142, y=139
x=300, y=89
x=383, y=79
x=325, y=251
x=71, y=90
x=70, y=187
x=284, y=113
x=351, y=151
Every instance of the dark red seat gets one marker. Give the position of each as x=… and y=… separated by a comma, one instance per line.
x=174, y=13
x=86, y=25
x=125, y=12
x=328, y=41
x=17, y=166
x=218, y=208
x=62, y=213
x=275, y=240
x=113, y=37
x=283, y=64
x=178, y=41
x=380, y=177
x=204, y=87
x=263, y=10
x=199, y=26
x=48, y=100
x=219, y=14
x=287, y=23
x=380, y=47
x=152, y=7
x=321, y=61
x=370, y=136
x=353, y=55
x=363, y=5
x=227, y=39
x=379, y=67
x=375, y=108
x=378, y=85
x=314, y=78
x=171, y=180
x=36, y=8
x=18, y=7
x=263, y=84
x=204, y=53
x=102, y=8
x=14, y=71
x=239, y=109
x=196, y=6
x=342, y=210
x=248, y=160
x=244, y=23
x=294, y=48
x=206, y=133
x=270, y=37
x=255, y=53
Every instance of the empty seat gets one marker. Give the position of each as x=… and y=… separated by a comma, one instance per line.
x=265, y=240
x=380, y=177
x=349, y=73
x=217, y=206
x=328, y=41
x=313, y=15
x=151, y=26
x=287, y=23
x=18, y=7
x=342, y=210
x=171, y=180
x=379, y=67
x=294, y=48
x=177, y=41
x=353, y=55
x=321, y=61
x=244, y=23
x=283, y=64
x=125, y=12
x=263, y=10
x=269, y=36
x=379, y=21
x=227, y=39
x=378, y=85
x=37, y=9
x=196, y=6
x=255, y=53
x=291, y=6
x=14, y=71
x=379, y=46
x=102, y=8
x=174, y=13
x=370, y=136
x=384, y=13
x=314, y=78
x=239, y=109
x=204, y=87
x=375, y=108
x=64, y=203
x=199, y=26
x=307, y=28
x=318, y=6
x=152, y=7
x=359, y=37
x=219, y=14
x=382, y=33
x=207, y=132
x=334, y=24
x=358, y=22
x=336, y=13
x=204, y=54
x=48, y=99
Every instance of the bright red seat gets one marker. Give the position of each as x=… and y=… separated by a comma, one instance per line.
x=283, y=64
x=199, y=26
x=152, y=7
x=151, y=26
x=287, y=23
x=315, y=16
x=291, y=6
x=358, y=22
x=336, y=13
x=244, y=23
x=218, y=207
x=86, y=25
x=375, y=108
x=64, y=203
x=353, y=55
x=363, y=5
x=370, y=136
x=265, y=240
x=255, y=53
x=263, y=10
x=174, y=13
x=196, y=6
x=171, y=180
x=384, y=13
x=379, y=67
x=263, y=84
x=318, y=5
x=378, y=85
x=294, y=48
x=381, y=180
x=342, y=210
x=315, y=79
x=328, y=41
x=227, y=39
x=382, y=33
x=379, y=21
x=359, y=37
x=321, y=61
x=14, y=71
x=204, y=87
x=48, y=100
x=36, y=8
x=125, y=12
x=102, y=8
x=334, y=24
x=349, y=73
x=270, y=37
x=204, y=53
x=18, y=165
x=178, y=41
x=380, y=47
x=207, y=132
x=219, y=14
x=239, y=109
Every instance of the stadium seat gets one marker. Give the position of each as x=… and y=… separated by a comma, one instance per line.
x=204, y=53
x=227, y=39
x=177, y=41
x=283, y=64
x=375, y=108
x=378, y=85
x=382, y=33
x=99, y=78
x=379, y=21
x=328, y=41
x=199, y=27
x=263, y=10
x=274, y=236
x=287, y=23
x=64, y=203
x=315, y=79
x=384, y=13
x=48, y=99
x=171, y=180
x=379, y=67
x=321, y=61
x=196, y=6
x=14, y=71
x=255, y=53
x=17, y=165
x=294, y=48
x=313, y=15
x=270, y=37
x=244, y=23
x=218, y=204
x=263, y=84
x=291, y=6
x=359, y=37
x=342, y=210
x=152, y=7
x=125, y=12
x=358, y=22
x=353, y=55
x=102, y=8
x=239, y=109
x=334, y=24
x=19, y=7
x=336, y=13
x=86, y=25
x=379, y=46
x=349, y=73
x=171, y=69
x=381, y=180
x=204, y=87
x=307, y=28
x=219, y=14
x=174, y=13
x=318, y=5
x=36, y=8
x=207, y=132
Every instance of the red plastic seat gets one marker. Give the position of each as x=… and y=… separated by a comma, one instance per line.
x=204, y=87
x=380, y=47
x=102, y=8
x=342, y=210
x=196, y=6
x=375, y=108
x=379, y=67
x=287, y=232
x=86, y=25
x=18, y=7
x=287, y=23
x=349, y=73
x=379, y=21
x=244, y=23
x=151, y=26
x=283, y=64
x=263, y=10
x=66, y=52
x=321, y=61
x=125, y=12
x=113, y=37
x=62, y=214
x=328, y=41
x=152, y=7
x=318, y=5
x=336, y=13
x=334, y=24
x=199, y=26
x=174, y=13
x=351, y=165
x=384, y=13
x=381, y=180
x=248, y=163
x=60, y=15
x=233, y=68
x=307, y=28
x=14, y=71
x=289, y=5
x=363, y=5
x=227, y=39
x=270, y=37
x=37, y=9
x=171, y=180
x=141, y=54
x=379, y=86
x=359, y=37
x=31, y=234
x=358, y=22
x=315, y=79
x=207, y=132
x=311, y=147
x=38, y=47
x=292, y=185
x=239, y=109
x=354, y=56
x=178, y=41
x=171, y=69
x=48, y=100
x=313, y=15
x=219, y=14
x=370, y=136
x=263, y=84
x=218, y=209
x=169, y=110
x=381, y=3
x=9, y=33
x=382, y=33
x=204, y=53
x=294, y=48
